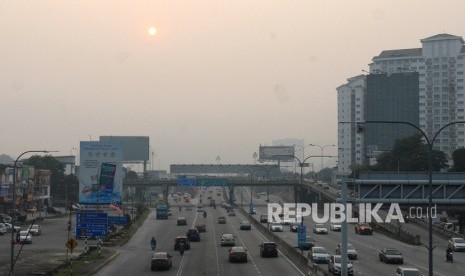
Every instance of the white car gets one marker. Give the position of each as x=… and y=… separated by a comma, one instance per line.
x=456, y=244
x=9, y=226
x=227, y=239
x=335, y=227
x=407, y=271
x=276, y=227
x=334, y=265
x=2, y=228
x=320, y=229
x=25, y=237
x=286, y=222
x=318, y=255
x=35, y=230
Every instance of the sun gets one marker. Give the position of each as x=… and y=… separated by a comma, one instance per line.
x=152, y=31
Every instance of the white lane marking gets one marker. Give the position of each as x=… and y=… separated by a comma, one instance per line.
x=248, y=255
x=281, y=253
x=216, y=247
x=181, y=264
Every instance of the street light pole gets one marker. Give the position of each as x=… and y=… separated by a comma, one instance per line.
x=13, y=205
x=322, y=149
x=430, y=246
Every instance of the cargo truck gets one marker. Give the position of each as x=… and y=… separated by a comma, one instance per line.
x=162, y=211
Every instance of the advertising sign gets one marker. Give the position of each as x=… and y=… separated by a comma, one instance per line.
x=100, y=174
x=283, y=153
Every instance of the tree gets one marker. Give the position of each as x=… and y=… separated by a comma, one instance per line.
x=48, y=162
x=410, y=154
x=458, y=157
x=130, y=175
x=71, y=183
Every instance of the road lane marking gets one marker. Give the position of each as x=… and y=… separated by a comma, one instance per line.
x=248, y=255
x=216, y=247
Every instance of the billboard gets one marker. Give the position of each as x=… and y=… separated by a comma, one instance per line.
x=100, y=174
x=135, y=148
x=282, y=153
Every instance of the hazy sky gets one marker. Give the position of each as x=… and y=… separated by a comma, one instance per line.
x=220, y=77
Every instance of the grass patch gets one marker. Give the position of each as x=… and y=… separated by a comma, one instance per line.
x=82, y=264
x=123, y=236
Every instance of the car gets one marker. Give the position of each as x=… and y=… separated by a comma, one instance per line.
x=268, y=249
x=181, y=221
x=161, y=260
x=20, y=216
x=286, y=222
x=54, y=210
x=245, y=225
x=188, y=208
x=308, y=244
x=2, y=228
x=407, y=271
x=231, y=213
x=25, y=237
x=253, y=211
x=320, y=229
x=276, y=227
x=9, y=227
x=391, y=255
x=5, y=218
x=221, y=220
x=200, y=209
x=170, y=213
x=237, y=254
x=227, y=239
x=182, y=239
x=32, y=210
x=351, y=251
x=335, y=227
x=35, y=230
x=363, y=229
x=334, y=265
x=193, y=235
x=263, y=218
x=456, y=244
x=293, y=227
x=318, y=255
x=201, y=227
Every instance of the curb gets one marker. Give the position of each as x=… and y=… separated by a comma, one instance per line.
x=100, y=266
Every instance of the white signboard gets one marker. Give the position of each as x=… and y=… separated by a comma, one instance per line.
x=283, y=153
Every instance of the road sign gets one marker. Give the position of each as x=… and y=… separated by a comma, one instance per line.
x=71, y=244
x=91, y=224
x=184, y=181
x=301, y=235
x=117, y=220
x=212, y=182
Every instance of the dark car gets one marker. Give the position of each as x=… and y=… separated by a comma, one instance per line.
x=181, y=221
x=264, y=218
x=363, y=229
x=237, y=254
x=245, y=225
x=391, y=255
x=161, y=260
x=182, y=239
x=201, y=227
x=308, y=244
x=268, y=249
x=20, y=216
x=294, y=226
x=193, y=235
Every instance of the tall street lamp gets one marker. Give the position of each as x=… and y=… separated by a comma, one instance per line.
x=13, y=205
x=322, y=148
x=430, y=178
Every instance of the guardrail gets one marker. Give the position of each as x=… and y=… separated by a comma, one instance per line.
x=292, y=253
x=438, y=230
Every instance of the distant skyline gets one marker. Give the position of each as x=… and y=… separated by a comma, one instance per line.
x=217, y=78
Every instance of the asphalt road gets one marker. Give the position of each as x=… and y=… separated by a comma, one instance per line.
x=367, y=246
x=206, y=257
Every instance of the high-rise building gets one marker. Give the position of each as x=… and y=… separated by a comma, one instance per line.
x=429, y=80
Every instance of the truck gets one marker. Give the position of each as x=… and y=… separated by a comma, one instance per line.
x=162, y=211
x=212, y=203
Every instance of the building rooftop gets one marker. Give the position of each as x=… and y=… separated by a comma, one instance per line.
x=415, y=52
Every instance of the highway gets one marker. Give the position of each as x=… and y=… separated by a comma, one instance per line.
x=368, y=246
x=206, y=257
